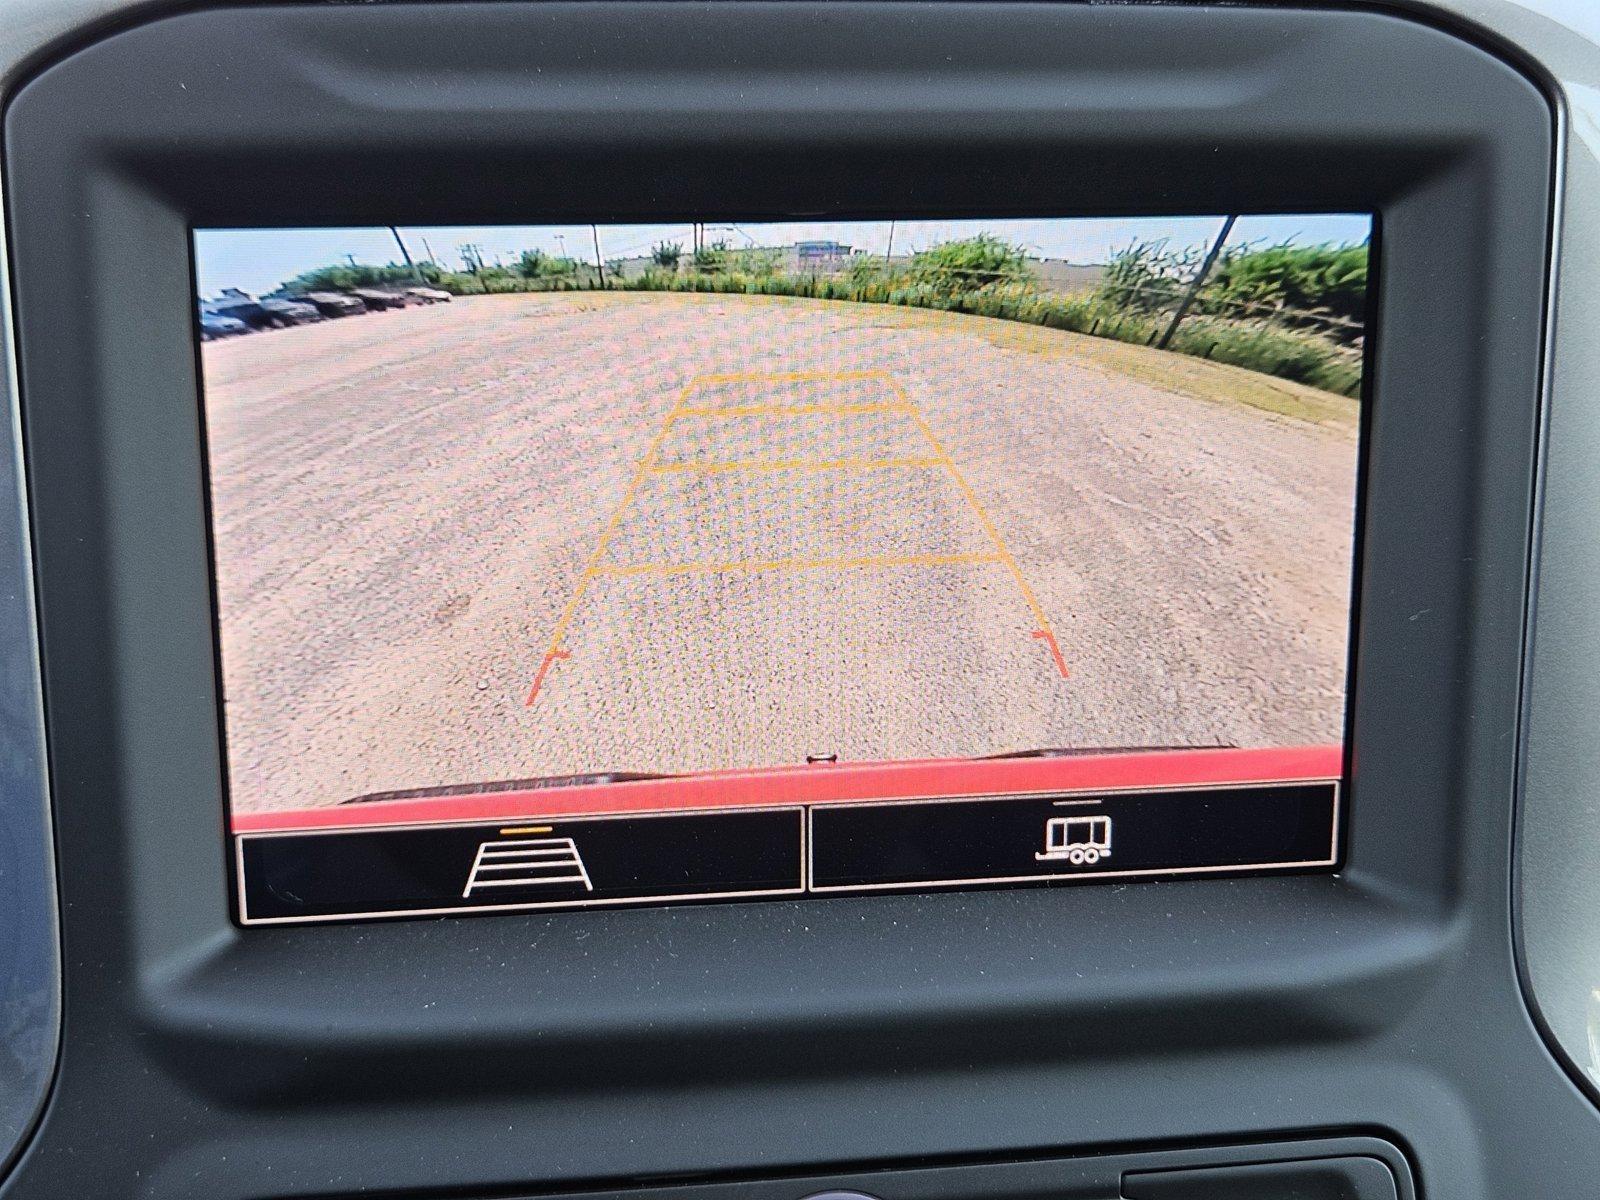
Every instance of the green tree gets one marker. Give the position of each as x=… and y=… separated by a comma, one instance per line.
x=1294, y=281
x=1146, y=277
x=761, y=263
x=970, y=264
x=667, y=254
x=712, y=259
x=865, y=269
x=531, y=264
x=536, y=264
x=1319, y=287
x=344, y=276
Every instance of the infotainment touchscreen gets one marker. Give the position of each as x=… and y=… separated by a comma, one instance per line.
x=600, y=565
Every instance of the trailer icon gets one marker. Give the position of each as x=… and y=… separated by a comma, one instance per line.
x=1082, y=841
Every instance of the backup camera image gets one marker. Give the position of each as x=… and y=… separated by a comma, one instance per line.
x=631, y=563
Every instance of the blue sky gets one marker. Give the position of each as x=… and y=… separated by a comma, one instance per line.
x=257, y=260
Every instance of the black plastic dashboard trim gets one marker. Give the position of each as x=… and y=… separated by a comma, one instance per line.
x=1033, y=1033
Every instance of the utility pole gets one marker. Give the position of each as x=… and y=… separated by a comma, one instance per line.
x=1195, y=283
x=351, y=259
x=889, y=253
x=429, y=251
x=399, y=241
x=599, y=266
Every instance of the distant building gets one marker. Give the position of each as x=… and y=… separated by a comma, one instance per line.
x=810, y=253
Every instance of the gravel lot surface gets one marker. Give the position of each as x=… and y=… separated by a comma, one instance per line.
x=734, y=531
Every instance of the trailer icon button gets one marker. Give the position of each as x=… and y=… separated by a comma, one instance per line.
x=1081, y=841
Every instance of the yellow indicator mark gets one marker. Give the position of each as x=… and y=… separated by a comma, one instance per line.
x=526, y=829
x=752, y=565
x=788, y=376
x=977, y=507
x=703, y=466
x=789, y=410
x=556, y=652
x=648, y=465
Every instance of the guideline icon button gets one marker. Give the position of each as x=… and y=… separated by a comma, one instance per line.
x=515, y=862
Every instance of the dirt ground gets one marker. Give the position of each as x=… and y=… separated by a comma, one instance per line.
x=520, y=536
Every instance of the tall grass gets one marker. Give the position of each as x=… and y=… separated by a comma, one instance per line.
x=1295, y=355
x=987, y=277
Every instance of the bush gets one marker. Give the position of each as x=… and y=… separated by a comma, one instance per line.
x=462, y=283
x=760, y=262
x=1287, y=353
x=1323, y=288
x=536, y=264
x=711, y=259
x=1297, y=355
x=1309, y=280
x=976, y=262
x=344, y=277
x=867, y=269
x=1146, y=277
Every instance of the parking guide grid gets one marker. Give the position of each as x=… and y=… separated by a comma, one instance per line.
x=898, y=403
x=527, y=862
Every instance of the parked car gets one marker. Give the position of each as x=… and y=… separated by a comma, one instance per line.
x=378, y=298
x=430, y=295
x=215, y=325
x=264, y=314
x=291, y=312
x=332, y=304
